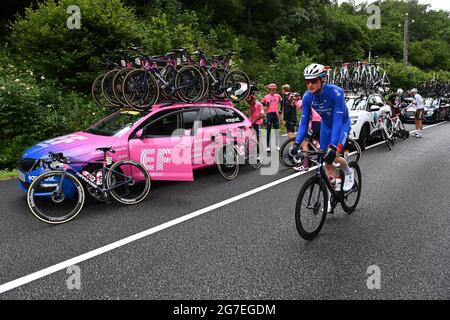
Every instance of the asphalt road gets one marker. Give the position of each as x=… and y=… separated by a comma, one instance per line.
x=249, y=249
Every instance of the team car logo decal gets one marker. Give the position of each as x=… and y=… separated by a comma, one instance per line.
x=153, y=158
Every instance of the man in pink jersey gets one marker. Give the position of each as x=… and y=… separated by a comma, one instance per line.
x=272, y=101
x=256, y=111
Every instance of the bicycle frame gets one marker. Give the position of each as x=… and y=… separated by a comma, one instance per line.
x=336, y=196
x=67, y=169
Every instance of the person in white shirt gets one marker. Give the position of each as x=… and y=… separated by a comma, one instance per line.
x=419, y=105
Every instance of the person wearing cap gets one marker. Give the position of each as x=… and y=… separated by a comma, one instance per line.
x=329, y=102
x=272, y=101
x=395, y=100
x=419, y=104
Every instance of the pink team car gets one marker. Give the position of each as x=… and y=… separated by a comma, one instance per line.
x=170, y=140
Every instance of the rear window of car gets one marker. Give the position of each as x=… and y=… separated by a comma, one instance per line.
x=228, y=116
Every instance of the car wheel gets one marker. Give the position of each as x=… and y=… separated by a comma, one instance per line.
x=363, y=135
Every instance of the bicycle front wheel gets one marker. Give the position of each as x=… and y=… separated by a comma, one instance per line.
x=286, y=159
x=353, y=149
x=227, y=161
x=189, y=84
x=128, y=181
x=52, y=205
x=351, y=198
x=311, y=208
x=386, y=139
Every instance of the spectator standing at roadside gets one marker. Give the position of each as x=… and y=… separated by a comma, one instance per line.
x=272, y=101
x=395, y=100
x=289, y=111
x=419, y=105
x=256, y=111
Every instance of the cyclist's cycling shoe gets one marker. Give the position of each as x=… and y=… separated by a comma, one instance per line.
x=349, y=181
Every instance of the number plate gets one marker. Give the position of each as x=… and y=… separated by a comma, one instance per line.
x=22, y=176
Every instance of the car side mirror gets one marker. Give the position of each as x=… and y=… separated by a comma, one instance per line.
x=139, y=134
x=374, y=107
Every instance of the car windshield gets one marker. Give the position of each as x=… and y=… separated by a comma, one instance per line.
x=431, y=102
x=116, y=123
x=350, y=103
x=358, y=104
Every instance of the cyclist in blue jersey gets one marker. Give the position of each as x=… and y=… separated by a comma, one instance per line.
x=329, y=102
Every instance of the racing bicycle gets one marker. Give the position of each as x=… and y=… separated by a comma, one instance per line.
x=57, y=196
x=318, y=193
x=235, y=152
x=352, y=151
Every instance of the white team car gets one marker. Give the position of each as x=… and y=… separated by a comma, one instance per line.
x=362, y=112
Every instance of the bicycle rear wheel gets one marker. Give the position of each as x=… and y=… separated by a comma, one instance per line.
x=311, y=208
x=47, y=206
x=118, y=85
x=97, y=94
x=227, y=161
x=254, y=154
x=107, y=88
x=140, y=90
x=236, y=85
x=351, y=198
x=402, y=132
x=129, y=181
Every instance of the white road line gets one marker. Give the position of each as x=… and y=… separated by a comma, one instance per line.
x=411, y=132
x=91, y=254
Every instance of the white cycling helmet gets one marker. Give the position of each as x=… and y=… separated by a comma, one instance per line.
x=400, y=92
x=314, y=71
x=414, y=90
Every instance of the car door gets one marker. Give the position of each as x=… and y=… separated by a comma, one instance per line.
x=164, y=148
x=206, y=135
x=444, y=106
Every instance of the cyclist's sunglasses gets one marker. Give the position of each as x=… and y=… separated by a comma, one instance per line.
x=313, y=81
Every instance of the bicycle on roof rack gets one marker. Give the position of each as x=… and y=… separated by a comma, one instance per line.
x=223, y=82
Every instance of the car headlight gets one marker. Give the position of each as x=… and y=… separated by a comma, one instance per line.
x=430, y=112
x=353, y=120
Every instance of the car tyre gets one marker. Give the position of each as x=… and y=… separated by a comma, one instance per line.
x=363, y=135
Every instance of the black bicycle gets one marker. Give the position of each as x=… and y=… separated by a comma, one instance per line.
x=237, y=150
x=313, y=204
x=57, y=196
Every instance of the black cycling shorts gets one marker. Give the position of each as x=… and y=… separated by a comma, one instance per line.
x=290, y=127
x=315, y=132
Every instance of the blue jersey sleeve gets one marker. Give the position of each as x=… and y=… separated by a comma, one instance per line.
x=338, y=115
x=304, y=120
